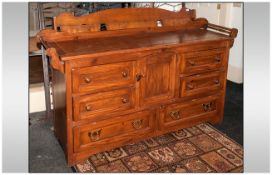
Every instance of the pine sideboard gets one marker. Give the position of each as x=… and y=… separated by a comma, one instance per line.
x=124, y=75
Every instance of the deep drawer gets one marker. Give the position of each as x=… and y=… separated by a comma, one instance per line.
x=97, y=104
x=96, y=78
x=100, y=134
x=201, y=83
x=181, y=113
x=201, y=61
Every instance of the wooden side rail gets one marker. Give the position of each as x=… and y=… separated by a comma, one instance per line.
x=55, y=62
x=231, y=32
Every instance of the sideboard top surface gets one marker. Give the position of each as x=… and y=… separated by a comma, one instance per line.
x=87, y=46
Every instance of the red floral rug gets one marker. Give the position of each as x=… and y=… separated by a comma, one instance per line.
x=201, y=148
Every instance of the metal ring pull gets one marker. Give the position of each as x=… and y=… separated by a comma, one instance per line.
x=175, y=115
x=137, y=124
x=207, y=106
x=95, y=134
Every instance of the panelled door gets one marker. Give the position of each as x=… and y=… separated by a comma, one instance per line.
x=157, y=77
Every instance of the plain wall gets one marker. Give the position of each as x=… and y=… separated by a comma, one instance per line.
x=235, y=69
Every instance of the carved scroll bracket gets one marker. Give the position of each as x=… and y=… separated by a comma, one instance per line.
x=55, y=62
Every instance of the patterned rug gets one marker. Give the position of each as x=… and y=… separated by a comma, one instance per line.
x=201, y=148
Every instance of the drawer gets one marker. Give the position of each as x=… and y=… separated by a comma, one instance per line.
x=180, y=113
x=95, y=78
x=87, y=106
x=108, y=132
x=201, y=61
x=201, y=83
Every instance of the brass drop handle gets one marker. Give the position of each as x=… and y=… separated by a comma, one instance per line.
x=216, y=81
x=137, y=124
x=207, y=106
x=175, y=115
x=217, y=59
x=124, y=74
x=124, y=100
x=139, y=77
x=95, y=134
x=87, y=79
x=88, y=108
x=192, y=63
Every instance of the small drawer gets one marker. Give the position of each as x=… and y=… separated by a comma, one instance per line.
x=201, y=61
x=117, y=129
x=201, y=83
x=181, y=113
x=95, y=78
x=91, y=105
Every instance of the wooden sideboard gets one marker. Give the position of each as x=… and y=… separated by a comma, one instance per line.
x=124, y=75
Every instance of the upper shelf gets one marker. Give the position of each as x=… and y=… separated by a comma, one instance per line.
x=128, y=28
x=121, y=18
x=115, y=21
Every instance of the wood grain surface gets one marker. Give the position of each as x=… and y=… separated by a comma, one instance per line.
x=125, y=75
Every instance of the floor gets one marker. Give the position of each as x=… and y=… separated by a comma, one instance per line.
x=232, y=124
x=46, y=155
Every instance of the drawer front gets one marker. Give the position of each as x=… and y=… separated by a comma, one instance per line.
x=201, y=83
x=114, y=130
x=177, y=114
x=102, y=77
x=103, y=103
x=195, y=62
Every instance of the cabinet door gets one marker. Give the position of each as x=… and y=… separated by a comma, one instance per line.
x=157, y=77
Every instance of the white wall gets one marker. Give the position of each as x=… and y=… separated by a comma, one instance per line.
x=235, y=70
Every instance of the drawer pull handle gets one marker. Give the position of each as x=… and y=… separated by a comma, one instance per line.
x=190, y=86
x=192, y=63
x=175, y=115
x=124, y=74
x=139, y=77
x=217, y=59
x=88, y=108
x=137, y=124
x=124, y=100
x=87, y=79
x=207, y=106
x=216, y=81
x=95, y=134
